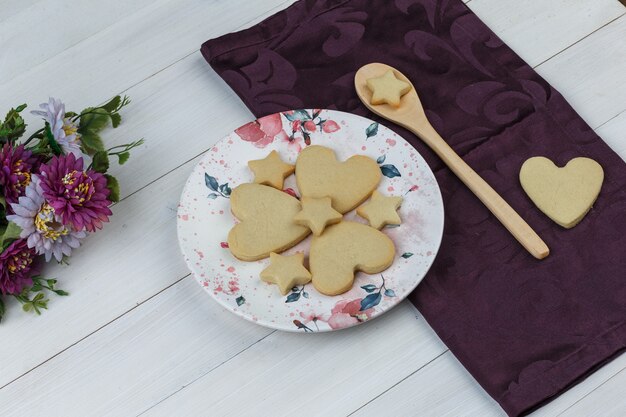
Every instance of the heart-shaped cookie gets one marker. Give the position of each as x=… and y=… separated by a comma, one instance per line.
x=563, y=194
x=267, y=225
x=343, y=249
x=348, y=184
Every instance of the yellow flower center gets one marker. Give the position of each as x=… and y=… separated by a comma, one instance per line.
x=23, y=177
x=83, y=188
x=20, y=262
x=47, y=224
x=70, y=178
x=69, y=128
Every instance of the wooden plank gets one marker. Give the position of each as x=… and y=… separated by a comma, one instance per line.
x=139, y=361
x=49, y=27
x=312, y=375
x=586, y=388
x=537, y=30
x=590, y=74
x=129, y=51
x=167, y=343
x=442, y=388
x=10, y=8
x=607, y=400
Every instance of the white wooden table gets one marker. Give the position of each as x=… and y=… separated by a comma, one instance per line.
x=138, y=336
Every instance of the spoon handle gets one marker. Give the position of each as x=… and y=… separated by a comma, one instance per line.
x=490, y=198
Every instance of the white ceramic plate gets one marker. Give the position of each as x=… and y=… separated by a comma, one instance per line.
x=204, y=220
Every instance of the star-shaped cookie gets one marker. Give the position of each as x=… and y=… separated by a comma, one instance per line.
x=271, y=170
x=387, y=89
x=380, y=210
x=317, y=213
x=286, y=271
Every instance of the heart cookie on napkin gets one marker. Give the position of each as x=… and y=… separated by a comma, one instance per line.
x=348, y=184
x=563, y=194
x=267, y=225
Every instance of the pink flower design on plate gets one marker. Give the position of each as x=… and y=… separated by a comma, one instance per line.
x=348, y=313
x=310, y=125
x=330, y=126
x=263, y=131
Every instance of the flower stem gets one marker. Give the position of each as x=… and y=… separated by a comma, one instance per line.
x=33, y=136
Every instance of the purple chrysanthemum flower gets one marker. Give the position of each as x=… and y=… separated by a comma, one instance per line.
x=41, y=226
x=17, y=165
x=16, y=267
x=64, y=130
x=80, y=198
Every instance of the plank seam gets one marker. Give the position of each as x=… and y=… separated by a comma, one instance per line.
x=93, y=332
x=580, y=40
x=205, y=374
x=592, y=391
x=400, y=381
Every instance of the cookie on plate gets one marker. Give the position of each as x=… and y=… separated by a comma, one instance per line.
x=319, y=174
x=343, y=249
x=266, y=222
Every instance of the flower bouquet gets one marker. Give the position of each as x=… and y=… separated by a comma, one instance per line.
x=54, y=190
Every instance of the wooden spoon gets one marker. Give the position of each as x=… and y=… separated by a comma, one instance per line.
x=410, y=114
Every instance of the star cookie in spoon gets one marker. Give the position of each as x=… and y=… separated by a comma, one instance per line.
x=387, y=89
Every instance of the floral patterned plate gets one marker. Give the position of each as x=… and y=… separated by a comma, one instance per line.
x=204, y=220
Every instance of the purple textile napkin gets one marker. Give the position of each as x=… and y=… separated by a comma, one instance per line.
x=525, y=329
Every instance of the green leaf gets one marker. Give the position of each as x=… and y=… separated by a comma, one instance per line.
x=113, y=104
x=369, y=287
x=370, y=301
x=390, y=293
x=211, y=182
x=54, y=145
x=11, y=233
x=91, y=142
x=116, y=119
x=390, y=171
x=372, y=130
x=293, y=297
x=240, y=300
x=3, y=201
x=13, y=126
x=2, y=309
x=61, y=292
x=100, y=162
x=123, y=157
x=407, y=255
x=301, y=115
x=114, y=186
x=93, y=120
